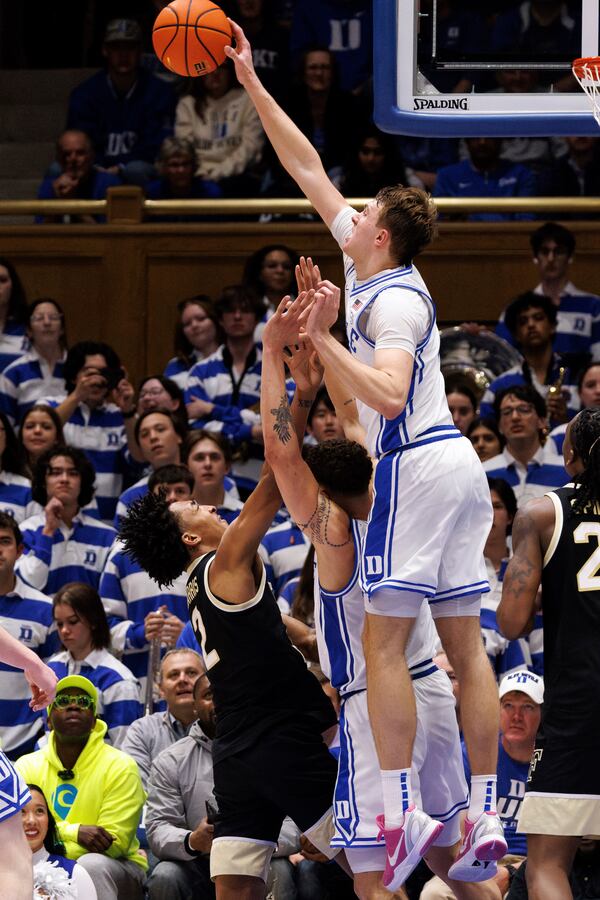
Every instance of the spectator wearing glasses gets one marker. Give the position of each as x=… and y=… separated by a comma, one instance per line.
x=528, y=465
x=95, y=790
x=578, y=322
x=175, y=163
x=158, y=392
x=39, y=372
x=62, y=543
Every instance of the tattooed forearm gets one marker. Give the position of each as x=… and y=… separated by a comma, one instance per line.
x=283, y=419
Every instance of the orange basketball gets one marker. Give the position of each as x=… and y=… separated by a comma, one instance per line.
x=189, y=36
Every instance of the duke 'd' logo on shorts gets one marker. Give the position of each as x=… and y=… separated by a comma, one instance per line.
x=373, y=565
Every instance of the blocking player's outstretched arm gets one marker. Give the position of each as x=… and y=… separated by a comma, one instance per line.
x=295, y=152
x=516, y=612
x=42, y=679
x=315, y=513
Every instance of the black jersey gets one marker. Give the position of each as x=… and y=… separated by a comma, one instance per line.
x=571, y=613
x=258, y=677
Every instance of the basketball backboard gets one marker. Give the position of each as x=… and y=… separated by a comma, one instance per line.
x=443, y=68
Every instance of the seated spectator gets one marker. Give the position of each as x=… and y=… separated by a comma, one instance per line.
x=270, y=274
x=462, y=403
x=197, y=335
x=47, y=849
x=158, y=392
x=13, y=315
x=126, y=111
x=521, y=696
x=180, y=792
x=95, y=790
x=530, y=467
x=138, y=610
x=219, y=120
x=504, y=656
x=159, y=434
x=371, y=165
x=322, y=423
x=578, y=323
x=98, y=416
x=485, y=437
x=40, y=429
x=576, y=174
x=485, y=174
x=531, y=319
x=175, y=164
x=207, y=454
x=85, y=637
x=223, y=391
x=270, y=43
x=15, y=486
x=39, y=373
x=26, y=614
x=588, y=389
x=62, y=543
x=77, y=177
x=330, y=23
x=424, y=157
x=147, y=737
x=542, y=30
x=323, y=111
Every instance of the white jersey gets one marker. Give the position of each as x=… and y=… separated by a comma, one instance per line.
x=393, y=310
x=339, y=620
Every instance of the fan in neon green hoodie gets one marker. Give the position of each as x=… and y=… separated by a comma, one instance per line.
x=105, y=789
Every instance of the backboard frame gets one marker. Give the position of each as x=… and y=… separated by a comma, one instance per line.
x=399, y=108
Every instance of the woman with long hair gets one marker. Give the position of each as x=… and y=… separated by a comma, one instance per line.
x=197, y=335
x=13, y=315
x=39, y=372
x=40, y=429
x=270, y=273
x=85, y=636
x=15, y=486
x=53, y=873
x=158, y=392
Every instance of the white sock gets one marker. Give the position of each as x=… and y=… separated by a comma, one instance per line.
x=397, y=795
x=483, y=796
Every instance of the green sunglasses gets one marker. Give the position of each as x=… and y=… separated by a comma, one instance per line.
x=84, y=701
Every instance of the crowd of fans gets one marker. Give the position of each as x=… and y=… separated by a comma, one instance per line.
x=133, y=122
x=78, y=443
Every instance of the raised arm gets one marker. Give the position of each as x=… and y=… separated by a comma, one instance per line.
x=41, y=678
x=295, y=152
x=516, y=612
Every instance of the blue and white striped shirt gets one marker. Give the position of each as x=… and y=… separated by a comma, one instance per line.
x=517, y=376
x=177, y=370
x=27, y=615
x=13, y=344
x=505, y=656
x=128, y=595
x=578, y=324
x=231, y=503
x=283, y=551
x=544, y=472
x=119, y=698
x=26, y=381
x=15, y=495
x=71, y=554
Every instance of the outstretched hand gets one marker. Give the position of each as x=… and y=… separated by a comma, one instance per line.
x=241, y=55
x=305, y=366
x=308, y=275
x=284, y=326
x=42, y=682
x=323, y=311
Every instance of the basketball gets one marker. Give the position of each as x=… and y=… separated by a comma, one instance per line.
x=189, y=36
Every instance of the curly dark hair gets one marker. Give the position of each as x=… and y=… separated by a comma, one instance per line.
x=529, y=300
x=80, y=462
x=552, y=231
x=585, y=438
x=152, y=538
x=525, y=392
x=253, y=267
x=52, y=841
x=77, y=354
x=341, y=466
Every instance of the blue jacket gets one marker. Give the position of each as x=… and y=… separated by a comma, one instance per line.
x=126, y=128
x=508, y=180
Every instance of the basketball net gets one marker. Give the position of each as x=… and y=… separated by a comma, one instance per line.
x=587, y=73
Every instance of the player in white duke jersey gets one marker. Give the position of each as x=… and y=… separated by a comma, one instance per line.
x=431, y=511
x=329, y=492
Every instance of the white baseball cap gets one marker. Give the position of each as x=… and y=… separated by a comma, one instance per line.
x=525, y=681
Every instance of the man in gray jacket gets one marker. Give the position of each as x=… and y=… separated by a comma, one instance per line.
x=180, y=791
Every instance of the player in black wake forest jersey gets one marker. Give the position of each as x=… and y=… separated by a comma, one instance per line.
x=269, y=756
x=556, y=541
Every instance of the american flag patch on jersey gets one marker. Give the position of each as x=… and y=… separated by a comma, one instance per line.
x=356, y=304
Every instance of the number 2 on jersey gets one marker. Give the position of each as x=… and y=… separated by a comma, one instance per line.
x=587, y=577
x=211, y=657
